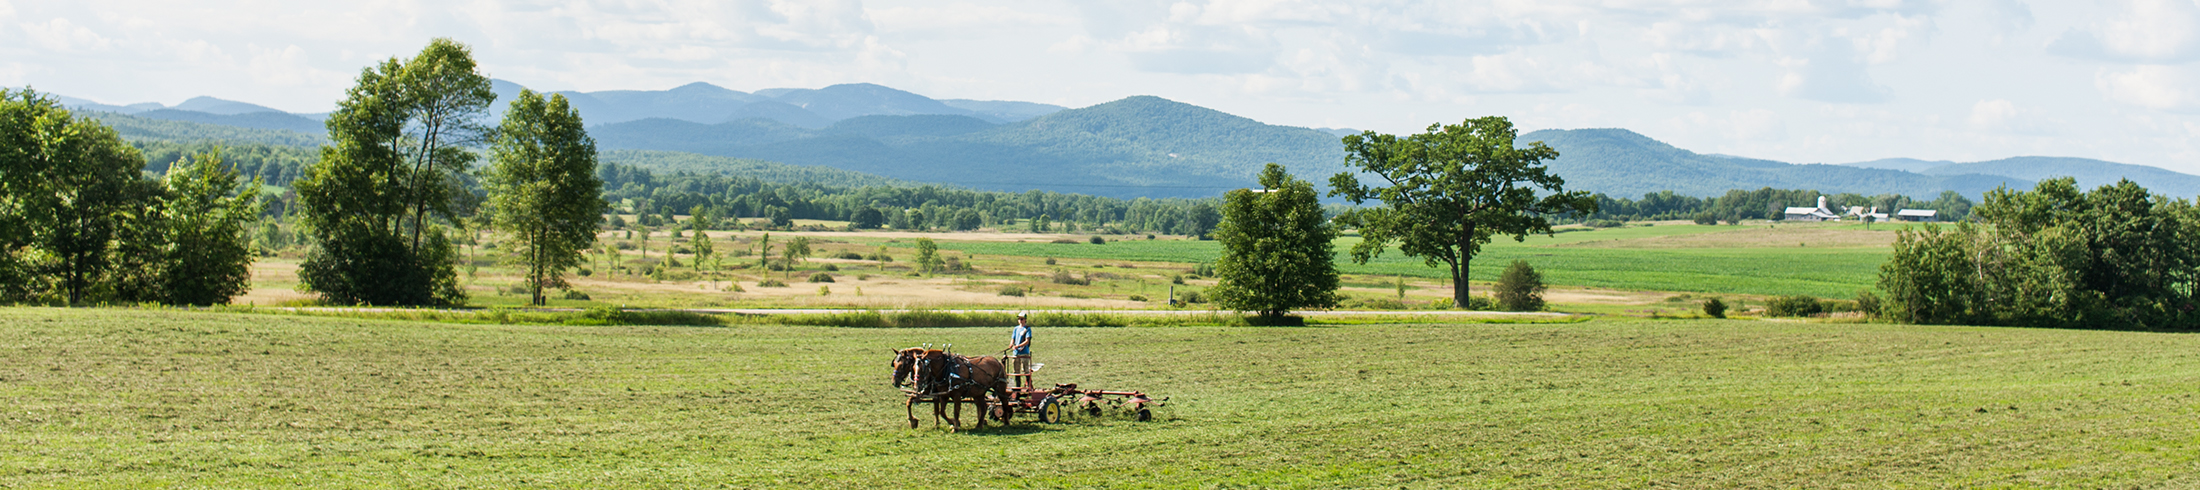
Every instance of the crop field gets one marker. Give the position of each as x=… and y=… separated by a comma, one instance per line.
x=1829, y=260
x=132, y=398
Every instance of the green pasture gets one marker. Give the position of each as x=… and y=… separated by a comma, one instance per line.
x=1755, y=269
x=125, y=398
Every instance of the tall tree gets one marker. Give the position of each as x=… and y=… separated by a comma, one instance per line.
x=1276, y=252
x=543, y=188
x=69, y=189
x=209, y=257
x=1450, y=190
x=399, y=152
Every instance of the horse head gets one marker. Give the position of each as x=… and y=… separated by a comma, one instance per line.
x=905, y=364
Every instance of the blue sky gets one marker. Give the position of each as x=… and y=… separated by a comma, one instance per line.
x=1804, y=81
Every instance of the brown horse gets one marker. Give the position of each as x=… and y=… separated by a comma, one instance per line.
x=937, y=377
x=905, y=368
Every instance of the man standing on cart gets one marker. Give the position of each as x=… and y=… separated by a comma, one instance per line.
x=1019, y=340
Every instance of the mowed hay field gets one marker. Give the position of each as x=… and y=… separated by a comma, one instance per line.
x=104, y=398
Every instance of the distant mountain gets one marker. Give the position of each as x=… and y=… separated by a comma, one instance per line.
x=701, y=102
x=258, y=120
x=1619, y=162
x=1903, y=164
x=212, y=105
x=1139, y=146
x=1005, y=111
x=2089, y=173
x=136, y=128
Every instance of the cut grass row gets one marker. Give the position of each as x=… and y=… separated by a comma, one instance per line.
x=119, y=398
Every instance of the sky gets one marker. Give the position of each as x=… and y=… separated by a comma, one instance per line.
x=1804, y=81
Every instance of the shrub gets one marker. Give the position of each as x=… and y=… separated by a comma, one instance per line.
x=576, y=295
x=1064, y=240
x=1135, y=297
x=770, y=283
x=831, y=267
x=849, y=256
x=821, y=277
x=1064, y=277
x=1178, y=279
x=1520, y=288
x=824, y=290
x=1705, y=218
x=735, y=287
x=1012, y=290
x=1793, y=306
x=1050, y=261
x=1714, y=307
x=678, y=275
x=1193, y=297
x=1096, y=240
x=1868, y=303
x=1474, y=303
x=1604, y=223
x=584, y=272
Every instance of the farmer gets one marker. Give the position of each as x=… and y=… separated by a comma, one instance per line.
x=1019, y=347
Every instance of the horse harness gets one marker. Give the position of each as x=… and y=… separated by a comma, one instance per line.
x=957, y=378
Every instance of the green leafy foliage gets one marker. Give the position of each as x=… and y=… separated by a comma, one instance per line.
x=543, y=189
x=1276, y=253
x=1520, y=288
x=1714, y=307
x=1451, y=189
x=209, y=253
x=928, y=256
x=399, y=158
x=1796, y=305
x=2116, y=257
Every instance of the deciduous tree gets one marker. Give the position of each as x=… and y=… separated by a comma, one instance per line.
x=209, y=255
x=543, y=188
x=1450, y=190
x=389, y=181
x=1276, y=252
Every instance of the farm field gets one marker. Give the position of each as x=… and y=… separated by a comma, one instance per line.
x=108, y=398
x=1592, y=270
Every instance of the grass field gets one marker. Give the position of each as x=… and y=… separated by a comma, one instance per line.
x=1825, y=260
x=126, y=398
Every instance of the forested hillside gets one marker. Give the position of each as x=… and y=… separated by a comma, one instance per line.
x=1135, y=147
x=1624, y=163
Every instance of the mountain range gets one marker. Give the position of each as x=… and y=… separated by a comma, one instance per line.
x=1140, y=146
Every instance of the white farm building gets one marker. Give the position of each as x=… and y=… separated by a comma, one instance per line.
x=1819, y=213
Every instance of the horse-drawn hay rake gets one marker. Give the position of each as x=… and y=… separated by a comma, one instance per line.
x=936, y=376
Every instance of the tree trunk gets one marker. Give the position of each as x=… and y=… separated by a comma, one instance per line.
x=1459, y=269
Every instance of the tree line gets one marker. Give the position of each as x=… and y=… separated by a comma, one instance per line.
x=1765, y=203
x=81, y=221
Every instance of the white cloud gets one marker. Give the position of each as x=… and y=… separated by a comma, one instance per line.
x=2150, y=86
x=2142, y=30
x=60, y=34
x=960, y=20
x=1744, y=126
x=1993, y=114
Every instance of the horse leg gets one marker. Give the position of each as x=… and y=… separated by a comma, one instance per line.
x=957, y=420
x=911, y=408
x=979, y=401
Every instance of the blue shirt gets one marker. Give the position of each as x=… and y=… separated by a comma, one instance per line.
x=1020, y=335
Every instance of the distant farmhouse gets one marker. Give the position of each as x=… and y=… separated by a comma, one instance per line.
x=1923, y=215
x=1819, y=213
x=1825, y=213
x=1860, y=213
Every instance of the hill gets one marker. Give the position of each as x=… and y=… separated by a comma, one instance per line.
x=1136, y=147
x=2089, y=172
x=136, y=128
x=1619, y=162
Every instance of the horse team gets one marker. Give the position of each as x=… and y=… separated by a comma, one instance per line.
x=937, y=377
